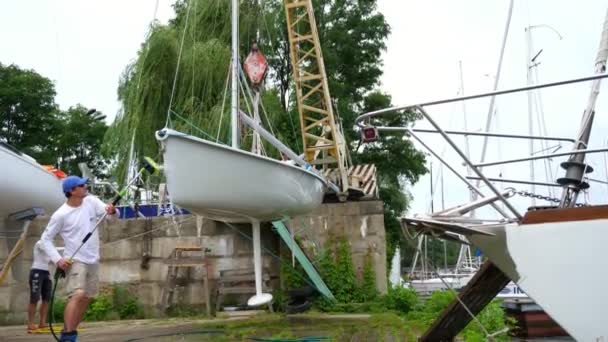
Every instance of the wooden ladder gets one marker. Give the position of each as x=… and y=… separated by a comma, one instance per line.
x=176, y=260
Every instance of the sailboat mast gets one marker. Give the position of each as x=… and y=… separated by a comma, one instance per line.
x=529, y=65
x=234, y=108
x=575, y=167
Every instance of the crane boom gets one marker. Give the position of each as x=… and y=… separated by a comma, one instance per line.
x=322, y=138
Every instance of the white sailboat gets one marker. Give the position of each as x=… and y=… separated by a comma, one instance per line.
x=228, y=184
x=26, y=184
x=543, y=250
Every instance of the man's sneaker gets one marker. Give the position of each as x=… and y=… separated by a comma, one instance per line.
x=71, y=336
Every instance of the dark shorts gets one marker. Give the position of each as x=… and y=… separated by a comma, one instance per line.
x=41, y=285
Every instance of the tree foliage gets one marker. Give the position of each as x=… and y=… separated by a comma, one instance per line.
x=27, y=111
x=80, y=140
x=31, y=121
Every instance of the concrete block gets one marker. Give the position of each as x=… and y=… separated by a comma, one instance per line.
x=121, y=250
x=244, y=247
x=356, y=227
x=197, y=273
x=162, y=247
x=115, y=231
x=380, y=268
x=4, y=251
x=337, y=209
x=194, y=293
x=220, y=264
x=370, y=244
x=336, y=226
x=220, y=245
x=5, y=298
x=371, y=208
x=352, y=208
x=28, y=248
x=149, y=293
x=178, y=226
x=19, y=298
x=157, y=271
x=376, y=226
x=123, y=271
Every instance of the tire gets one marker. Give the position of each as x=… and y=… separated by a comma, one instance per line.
x=298, y=306
x=302, y=292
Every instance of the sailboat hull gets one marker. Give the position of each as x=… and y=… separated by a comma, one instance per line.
x=549, y=261
x=25, y=184
x=232, y=185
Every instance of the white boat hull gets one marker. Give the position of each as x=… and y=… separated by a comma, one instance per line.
x=227, y=184
x=25, y=184
x=548, y=261
x=426, y=287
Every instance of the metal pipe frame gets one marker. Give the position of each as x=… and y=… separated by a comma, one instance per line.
x=482, y=134
x=516, y=181
x=282, y=147
x=469, y=184
x=476, y=96
x=467, y=220
x=463, y=209
x=470, y=164
x=543, y=156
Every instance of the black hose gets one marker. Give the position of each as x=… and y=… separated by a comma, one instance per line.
x=59, y=273
x=197, y=332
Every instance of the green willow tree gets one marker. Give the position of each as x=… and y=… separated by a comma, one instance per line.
x=352, y=34
x=195, y=104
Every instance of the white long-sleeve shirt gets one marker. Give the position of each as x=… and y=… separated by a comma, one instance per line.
x=41, y=259
x=73, y=224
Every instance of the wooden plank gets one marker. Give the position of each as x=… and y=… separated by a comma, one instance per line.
x=183, y=262
x=240, y=278
x=566, y=214
x=239, y=290
x=189, y=248
x=478, y=293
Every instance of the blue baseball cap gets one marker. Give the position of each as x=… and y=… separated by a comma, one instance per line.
x=71, y=182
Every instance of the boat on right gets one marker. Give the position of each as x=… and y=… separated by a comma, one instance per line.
x=555, y=253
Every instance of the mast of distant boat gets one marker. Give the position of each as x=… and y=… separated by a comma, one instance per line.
x=576, y=168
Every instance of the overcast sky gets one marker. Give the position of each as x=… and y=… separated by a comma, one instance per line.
x=84, y=46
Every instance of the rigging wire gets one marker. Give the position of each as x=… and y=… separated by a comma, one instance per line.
x=148, y=35
x=179, y=59
x=249, y=92
x=276, y=51
x=219, y=127
x=449, y=286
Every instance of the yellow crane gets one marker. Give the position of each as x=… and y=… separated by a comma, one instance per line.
x=323, y=140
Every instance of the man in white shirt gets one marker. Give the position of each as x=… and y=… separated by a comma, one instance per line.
x=40, y=288
x=73, y=221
